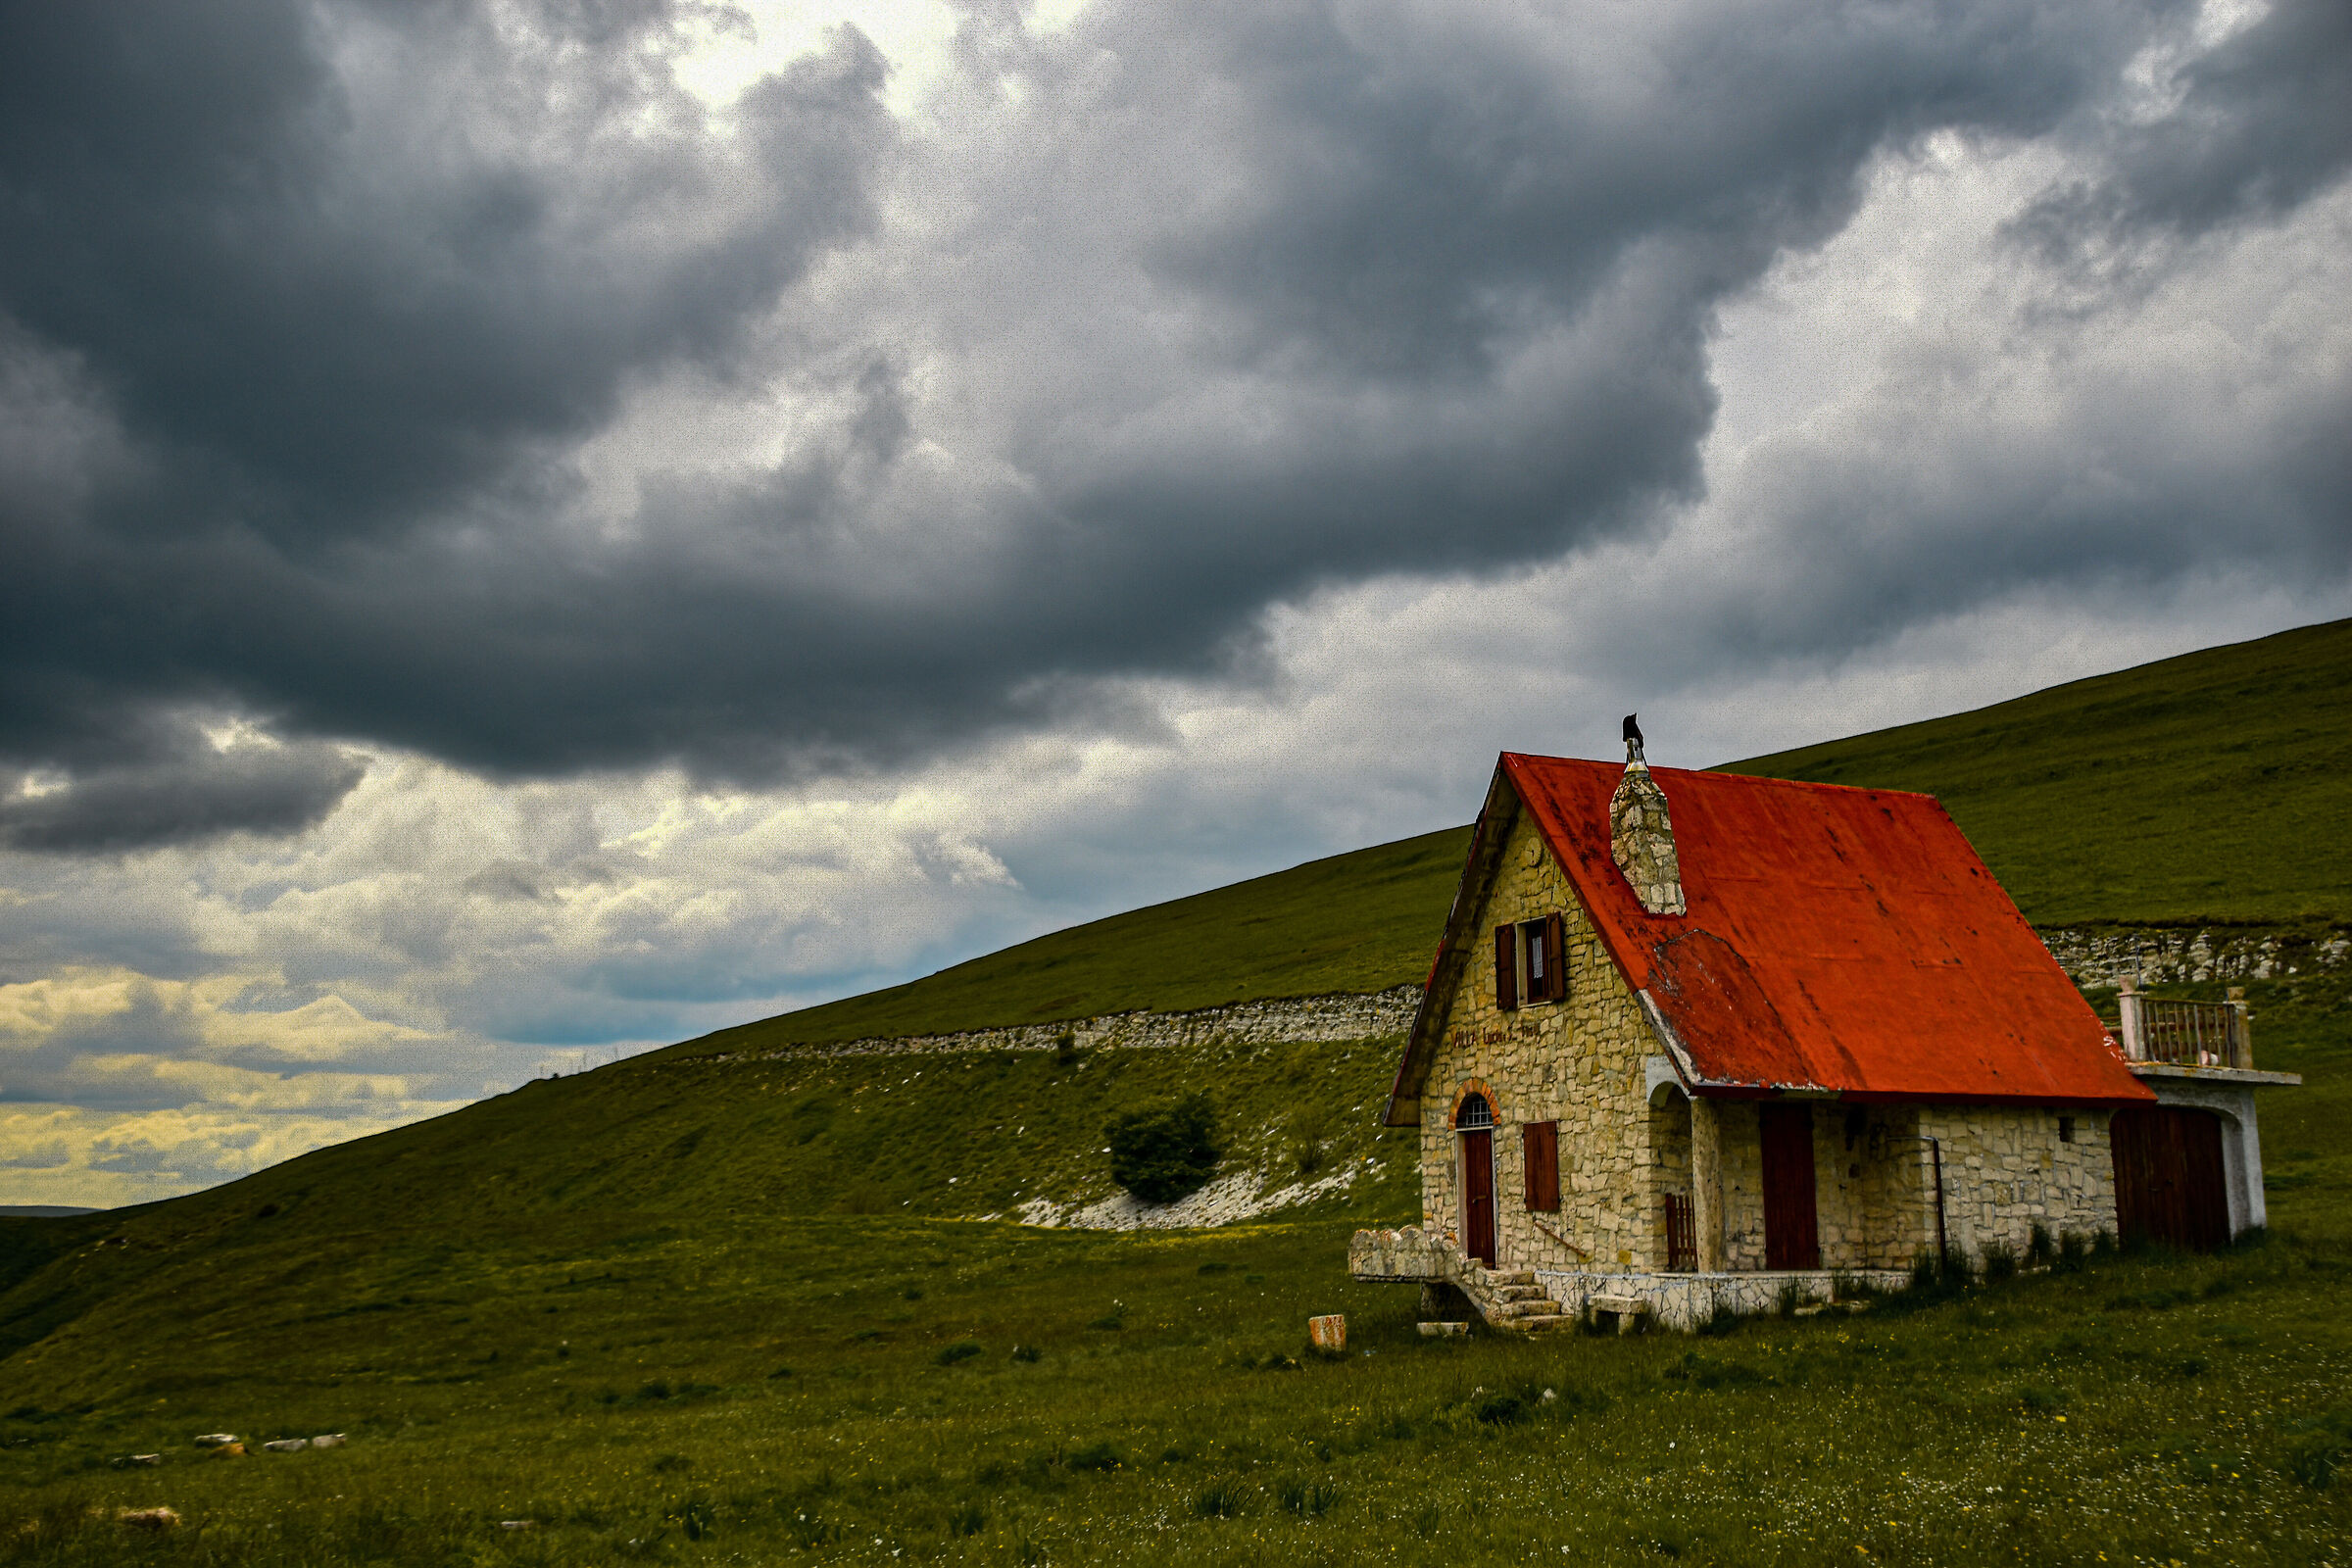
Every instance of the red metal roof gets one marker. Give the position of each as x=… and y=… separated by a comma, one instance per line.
x=1837, y=939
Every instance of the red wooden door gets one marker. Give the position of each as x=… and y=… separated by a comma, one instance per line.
x=1792, y=1239
x=1478, y=1195
x=2167, y=1177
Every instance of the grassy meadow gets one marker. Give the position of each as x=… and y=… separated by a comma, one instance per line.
x=884, y=1389
x=705, y=1372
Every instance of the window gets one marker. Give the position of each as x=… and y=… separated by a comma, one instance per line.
x=1542, y=1142
x=1531, y=963
x=1473, y=1113
x=2065, y=1129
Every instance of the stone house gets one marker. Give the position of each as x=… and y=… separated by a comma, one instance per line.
x=1697, y=1041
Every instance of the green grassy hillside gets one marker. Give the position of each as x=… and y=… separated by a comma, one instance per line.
x=2212, y=788
x=691, y=1140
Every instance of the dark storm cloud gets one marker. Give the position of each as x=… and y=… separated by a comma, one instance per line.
x=337, y=297
x=2263, y=123
x=199, y=792
x=1248, y=299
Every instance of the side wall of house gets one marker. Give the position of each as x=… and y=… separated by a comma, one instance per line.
x=1867, y=1205
x=1577, y=1062
x=2005, y=1170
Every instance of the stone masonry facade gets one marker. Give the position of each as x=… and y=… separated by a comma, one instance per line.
x=1577, y=1061
x=1581, y=1062
x=2006, y=1169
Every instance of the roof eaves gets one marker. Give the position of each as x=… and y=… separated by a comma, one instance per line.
x=1493, y=826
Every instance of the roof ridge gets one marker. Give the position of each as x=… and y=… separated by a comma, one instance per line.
x=1717, y=772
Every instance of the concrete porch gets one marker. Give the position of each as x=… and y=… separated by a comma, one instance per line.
x=1680, y=1302
x=1688, y=1303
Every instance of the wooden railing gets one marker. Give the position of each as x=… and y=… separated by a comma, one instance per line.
x=1682, y=1235
x=2188, y=1034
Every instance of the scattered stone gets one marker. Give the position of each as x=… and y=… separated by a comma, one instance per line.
x=329, y=1439
x=1328, y=1333
x=138, y=1458
x=215, y=1439
x=1242, y=1195
x=1549, y=1397
x=287, y=1444
x=1442, y=1331
x=518, y=1524
x=158, y=1519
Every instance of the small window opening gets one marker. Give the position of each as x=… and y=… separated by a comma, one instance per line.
x=1537, y=963
x=2065, y=1129
x=1857, y=1122
x=1474, y=1113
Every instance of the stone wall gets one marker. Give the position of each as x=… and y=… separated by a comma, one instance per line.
x=1688, y=1303
x=2005, y=1170
x=2101, y=955
x=1335, y=1018
x=1576, y=1061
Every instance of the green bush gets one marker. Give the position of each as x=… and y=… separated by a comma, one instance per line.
x=1161, y=1156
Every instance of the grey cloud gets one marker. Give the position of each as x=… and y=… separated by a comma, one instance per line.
x=115, y=1062
x=199, y=792
x=1232, y=303
x=2261, y=125
x=42, y=1157
x=340, y=300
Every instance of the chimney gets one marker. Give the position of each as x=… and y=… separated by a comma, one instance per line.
x=1641, y=835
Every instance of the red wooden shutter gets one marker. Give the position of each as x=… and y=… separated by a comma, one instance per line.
x=1555, y=954
x=1542, y=1142
x=1506, y=967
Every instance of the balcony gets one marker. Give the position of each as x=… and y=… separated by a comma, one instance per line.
x=2186, y=1034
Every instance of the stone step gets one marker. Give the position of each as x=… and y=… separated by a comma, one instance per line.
x=1515, y=1277
x=1518, y=1293
x=1547, y=1322
x=1535, y=1308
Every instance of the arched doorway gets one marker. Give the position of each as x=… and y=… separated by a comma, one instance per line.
x=1474, y=1126
x=2168, y=1176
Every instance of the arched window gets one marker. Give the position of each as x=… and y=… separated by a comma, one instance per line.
x=1474, y=1113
